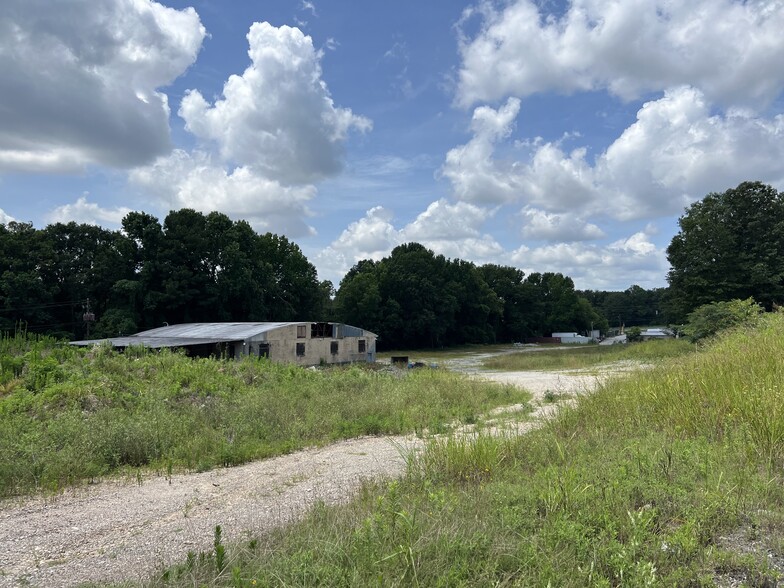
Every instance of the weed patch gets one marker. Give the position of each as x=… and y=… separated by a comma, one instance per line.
x=670, y=477
x=67, y=415
x=586, y=356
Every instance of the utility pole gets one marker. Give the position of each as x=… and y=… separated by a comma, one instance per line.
x=88, y=317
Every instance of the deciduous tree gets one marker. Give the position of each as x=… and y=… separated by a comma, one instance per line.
x=730, y=246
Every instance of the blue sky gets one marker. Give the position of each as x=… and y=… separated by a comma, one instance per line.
x=552, y=136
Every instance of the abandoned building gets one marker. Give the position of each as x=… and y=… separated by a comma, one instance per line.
x=302, y=343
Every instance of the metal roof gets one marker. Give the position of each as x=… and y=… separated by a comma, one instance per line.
x=152, y=342
x=221, y=331
x=200, y=334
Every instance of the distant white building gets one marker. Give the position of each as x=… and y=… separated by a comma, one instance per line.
x=614, y=340
x=571, y=338
x=656, y=333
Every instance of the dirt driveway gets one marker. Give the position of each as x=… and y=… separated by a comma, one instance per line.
x=128, y=530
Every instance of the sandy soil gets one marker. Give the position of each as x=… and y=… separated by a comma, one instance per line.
x=128, y=530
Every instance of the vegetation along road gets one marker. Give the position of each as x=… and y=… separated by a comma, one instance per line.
x=128, y=529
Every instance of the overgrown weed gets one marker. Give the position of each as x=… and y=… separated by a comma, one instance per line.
x=633, y=486
x=584, y=356
x=67, y=415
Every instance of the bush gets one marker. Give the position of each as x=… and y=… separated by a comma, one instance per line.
x=709, y=319
x=634, y=335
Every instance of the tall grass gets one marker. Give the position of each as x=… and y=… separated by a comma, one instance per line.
x=585, y=356
x=67, y=416
x=633, y=486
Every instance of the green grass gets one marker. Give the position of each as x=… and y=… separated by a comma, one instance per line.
x=67, y=416
x=633, y=486
x=586, y=356
x=446, y=353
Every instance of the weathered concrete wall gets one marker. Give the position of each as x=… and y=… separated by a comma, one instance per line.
x=283, y=343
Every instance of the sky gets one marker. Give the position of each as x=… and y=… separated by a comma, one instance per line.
x=551, y=135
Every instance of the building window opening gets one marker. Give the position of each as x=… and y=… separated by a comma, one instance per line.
x=302, y=331
x=361, y=346
x=320, y=331
x=333, y=348
x=300, y=349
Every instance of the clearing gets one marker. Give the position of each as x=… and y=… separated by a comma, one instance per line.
x=126, y=530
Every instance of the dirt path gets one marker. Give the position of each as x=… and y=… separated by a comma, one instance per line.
x=126, y=530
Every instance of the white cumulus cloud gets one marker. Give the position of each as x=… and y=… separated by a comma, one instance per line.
x=633, y=260
x=541, y=225
x=184, y=180
x=452, y=230
x=475, y=175
x=274, y=131
x=86, y=212
x=444, y=221
x=80, y=81
x=730, y=49
x=371, y=237
x=455, y=231
x=676, y=151
x=278, y=116
x=5, y=218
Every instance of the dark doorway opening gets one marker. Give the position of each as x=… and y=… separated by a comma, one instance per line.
x=264, y=350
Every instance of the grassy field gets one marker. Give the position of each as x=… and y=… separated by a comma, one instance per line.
x=447, y=353
x=671, y=477
x=68, y=416
x=586, y=356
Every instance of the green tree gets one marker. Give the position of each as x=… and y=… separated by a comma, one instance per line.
x=358, y=301
x=414, y=298
x=557, y=306
x=293, y=291
x=145, y=289
x=26, y=300
x=84, y=262
x=238, y=270
x=508, y=284
x=634, y=335
x=635, y=306
x=730, y=246
x=478, y=306
x=413, y=277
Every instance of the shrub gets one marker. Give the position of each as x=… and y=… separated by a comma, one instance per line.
x=711, y=318
x=634, y=335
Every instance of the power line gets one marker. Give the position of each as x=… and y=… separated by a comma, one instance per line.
x=50, y=325
x=47, y=305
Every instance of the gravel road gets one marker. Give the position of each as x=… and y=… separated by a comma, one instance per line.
x=127, y=530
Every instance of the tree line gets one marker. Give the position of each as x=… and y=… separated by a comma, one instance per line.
x=190, y=268
x=194, y=267
x=79, y=280
x=415, y=298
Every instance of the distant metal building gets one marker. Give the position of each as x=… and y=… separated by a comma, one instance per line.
x=302, y=343
x=656, y=333
x=570, y=338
